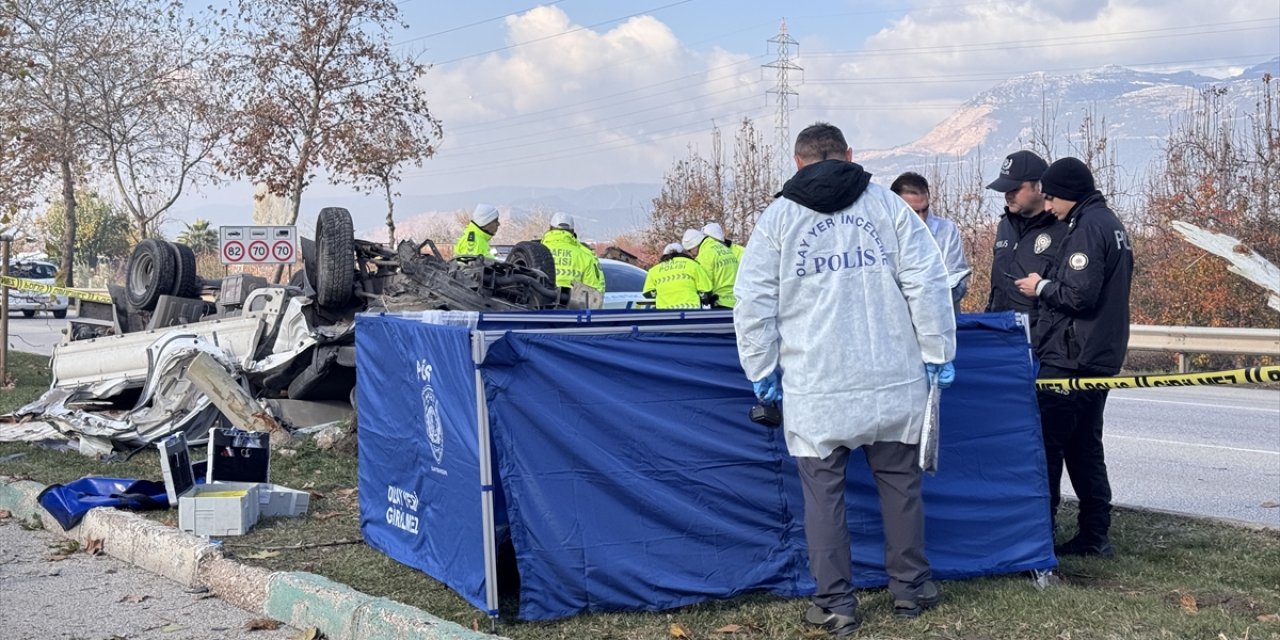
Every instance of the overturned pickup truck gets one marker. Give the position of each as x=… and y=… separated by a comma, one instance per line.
x=117, y=376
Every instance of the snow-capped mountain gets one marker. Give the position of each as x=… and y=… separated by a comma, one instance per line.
x=1138, y=108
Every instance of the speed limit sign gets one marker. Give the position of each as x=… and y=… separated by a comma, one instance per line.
x=232, y=252
x=258, y=244
x=282, y=251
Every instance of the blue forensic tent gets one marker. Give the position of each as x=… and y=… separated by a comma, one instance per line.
x=630, y=475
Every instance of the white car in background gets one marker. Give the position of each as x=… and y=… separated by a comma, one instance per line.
x=29, y=302
x=624, y=285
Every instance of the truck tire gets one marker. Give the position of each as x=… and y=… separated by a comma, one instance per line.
x=151, y=273
x=60, y=313
x=334, y=278
x=534, y=255
x=187, y=284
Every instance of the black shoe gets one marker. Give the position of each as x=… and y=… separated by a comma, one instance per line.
x=1074, y=547
x=928, y=598
x=837, y=624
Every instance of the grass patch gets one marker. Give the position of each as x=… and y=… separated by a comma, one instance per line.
x=1174, y=577
x=29, y=374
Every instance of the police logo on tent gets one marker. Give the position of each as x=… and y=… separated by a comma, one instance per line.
x=1042, y=242
x=431, y=417
x=1078, y=261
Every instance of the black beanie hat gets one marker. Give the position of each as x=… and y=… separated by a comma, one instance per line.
x=1069, y=179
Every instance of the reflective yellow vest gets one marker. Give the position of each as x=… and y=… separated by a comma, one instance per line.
x=473, y=242
x=677, y=283
x=722, y=266
x=573, y=260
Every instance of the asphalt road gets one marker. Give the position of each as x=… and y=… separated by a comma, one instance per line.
x=99, y=597
x=35, y=335
x=1211, y=451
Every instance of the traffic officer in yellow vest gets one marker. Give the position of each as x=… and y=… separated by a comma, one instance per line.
x=474, y=240
x=719, y=262
x=714, y=230
x=677, y=281
x=574, y=261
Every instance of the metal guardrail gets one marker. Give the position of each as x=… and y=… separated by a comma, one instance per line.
x=1185, y=340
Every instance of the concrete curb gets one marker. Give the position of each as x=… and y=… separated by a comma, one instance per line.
x=298, y=599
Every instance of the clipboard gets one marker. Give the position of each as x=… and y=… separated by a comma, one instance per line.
x=929, y=430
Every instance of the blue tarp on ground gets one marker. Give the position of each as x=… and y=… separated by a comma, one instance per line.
x=634, y=479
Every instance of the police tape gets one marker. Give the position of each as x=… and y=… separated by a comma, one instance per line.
x=1249, y=375
x=40, y=287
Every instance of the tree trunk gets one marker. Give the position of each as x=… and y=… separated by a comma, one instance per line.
x=67, y=264
x=391, y=219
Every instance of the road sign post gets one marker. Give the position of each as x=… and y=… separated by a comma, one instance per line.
x=259, y=244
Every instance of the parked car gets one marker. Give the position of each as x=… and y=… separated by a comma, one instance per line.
x=623, y=285
x=29, y=302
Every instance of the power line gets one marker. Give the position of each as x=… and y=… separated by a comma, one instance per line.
x=609, y=145
x=507, y=120
x=1058, y=41
x=477, y=23
x=564, y=33
x=559, y=132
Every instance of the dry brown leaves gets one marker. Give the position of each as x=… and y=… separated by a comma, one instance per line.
x=133, y=599
x=261, y=624
x=1188, y=603
x=678, y=630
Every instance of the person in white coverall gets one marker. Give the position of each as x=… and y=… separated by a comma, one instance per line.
x=843, y=302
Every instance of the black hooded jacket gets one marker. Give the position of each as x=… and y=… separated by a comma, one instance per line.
x=827, y=186
x=1084, y=312
x=1023, y=246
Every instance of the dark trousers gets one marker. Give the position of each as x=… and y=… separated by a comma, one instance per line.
x=826, y=529
x=1071, y=423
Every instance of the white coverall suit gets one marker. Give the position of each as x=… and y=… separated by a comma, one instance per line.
x=849, y=297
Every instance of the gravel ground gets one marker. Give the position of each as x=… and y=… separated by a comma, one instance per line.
x=102, y=598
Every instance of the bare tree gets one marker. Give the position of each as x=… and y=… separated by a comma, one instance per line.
x=152, y=106
x=754, y=182
x=378, y=153
x=957, y=193
x=307, y=81
x=54, y=39
x=696, y=191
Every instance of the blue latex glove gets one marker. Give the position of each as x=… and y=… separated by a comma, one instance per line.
x=946, y=373
x=769, y=389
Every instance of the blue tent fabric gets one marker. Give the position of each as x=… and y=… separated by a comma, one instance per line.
x=634, y=479
x=419, y=475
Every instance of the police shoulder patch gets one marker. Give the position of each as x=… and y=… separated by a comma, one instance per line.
x=1042, y=242
x=1078, y=261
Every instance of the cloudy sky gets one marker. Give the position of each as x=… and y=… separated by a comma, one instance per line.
x=575, y=93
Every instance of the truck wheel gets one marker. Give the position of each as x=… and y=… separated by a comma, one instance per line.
x=187, y=284
x=152, y=271
x=28, y=313
x=60, y=313
x=334, y=278
x=534, y=255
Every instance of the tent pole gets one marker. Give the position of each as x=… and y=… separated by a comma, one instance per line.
x=486, y=480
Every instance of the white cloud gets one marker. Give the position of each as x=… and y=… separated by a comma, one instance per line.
x=564, y=105
x=945, y=54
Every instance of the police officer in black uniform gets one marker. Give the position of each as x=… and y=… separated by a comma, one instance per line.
x=1027, y=238
x=1083, y=331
